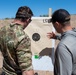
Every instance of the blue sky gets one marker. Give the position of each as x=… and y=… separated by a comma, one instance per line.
x=8, y=8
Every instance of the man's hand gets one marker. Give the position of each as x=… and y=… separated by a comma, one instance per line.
x=31, y=72
x=51, y=35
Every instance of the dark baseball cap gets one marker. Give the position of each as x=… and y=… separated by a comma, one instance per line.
x=60, y=15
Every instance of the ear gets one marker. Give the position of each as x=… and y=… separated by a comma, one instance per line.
x=58, y=24
x=27, y=19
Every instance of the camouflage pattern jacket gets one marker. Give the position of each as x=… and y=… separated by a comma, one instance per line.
x=15, y=46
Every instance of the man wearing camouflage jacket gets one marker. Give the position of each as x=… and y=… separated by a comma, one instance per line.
x=15, y=45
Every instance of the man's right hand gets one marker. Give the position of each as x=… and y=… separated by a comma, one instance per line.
x=30, y=72
x=51, y=35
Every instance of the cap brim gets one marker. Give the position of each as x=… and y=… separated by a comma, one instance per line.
x=49, y=20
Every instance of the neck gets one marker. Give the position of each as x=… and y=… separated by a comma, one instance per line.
x=66, y=28
x=18, y=22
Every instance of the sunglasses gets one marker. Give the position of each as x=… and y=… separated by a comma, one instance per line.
x=30, y=20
